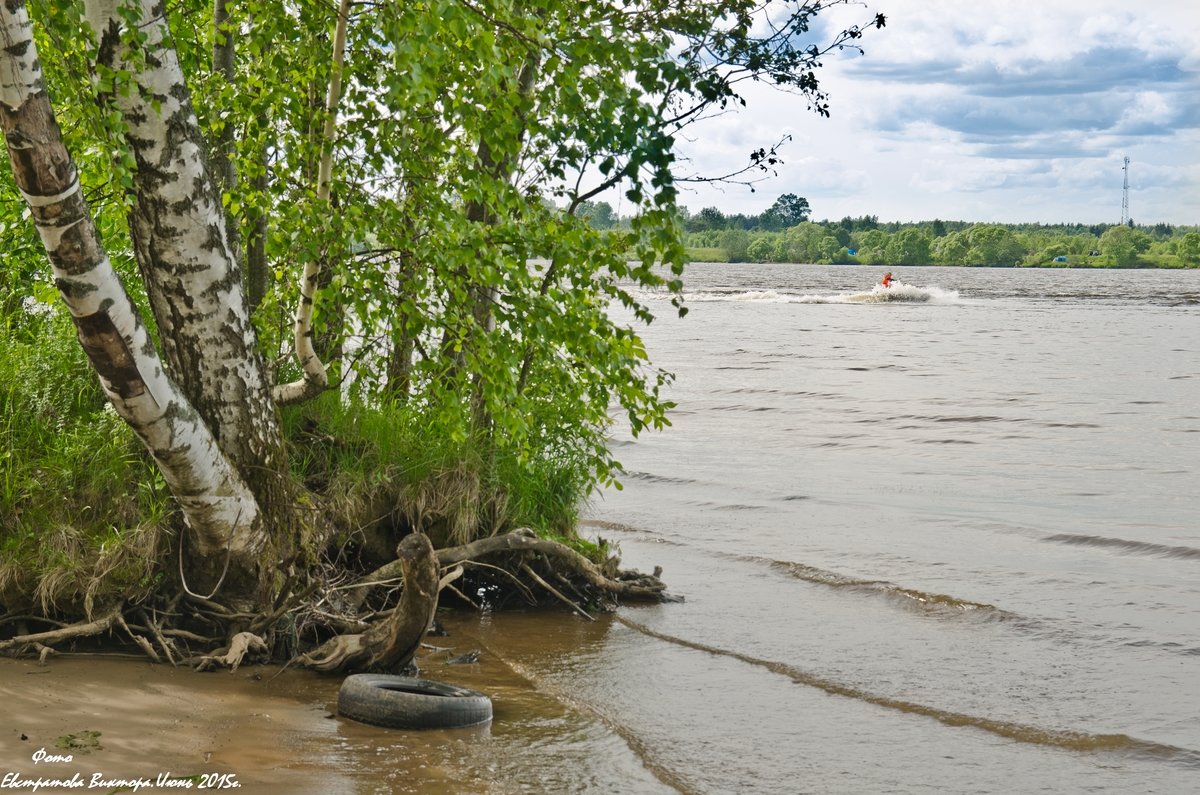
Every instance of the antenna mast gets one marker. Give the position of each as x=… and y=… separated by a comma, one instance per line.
x=1125, y=194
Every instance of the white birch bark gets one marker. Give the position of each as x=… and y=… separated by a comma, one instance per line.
x=182, y=245
x=216, y=502
x=315, y=377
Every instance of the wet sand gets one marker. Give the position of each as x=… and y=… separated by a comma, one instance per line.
x=155, y=720
x=273, y=732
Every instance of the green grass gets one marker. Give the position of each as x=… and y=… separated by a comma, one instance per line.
x=82, y=506
x=455, y=491
x=1106, y=262
x=79, y=501
x=1166, y=261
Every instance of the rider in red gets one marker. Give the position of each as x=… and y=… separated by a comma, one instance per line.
x=887, y=279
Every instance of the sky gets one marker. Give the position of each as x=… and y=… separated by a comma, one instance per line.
x=1003, y=111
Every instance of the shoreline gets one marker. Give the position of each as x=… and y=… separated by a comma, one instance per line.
x=1058, y=266
x=152, y=728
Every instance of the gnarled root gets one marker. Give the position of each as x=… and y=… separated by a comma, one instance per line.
x=631, y=585
x=392, y=642
x=243, y=645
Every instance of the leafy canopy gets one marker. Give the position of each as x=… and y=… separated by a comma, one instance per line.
x=466, y=276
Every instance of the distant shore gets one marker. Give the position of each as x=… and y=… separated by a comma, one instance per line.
x=866, y=241
x=1161, y=262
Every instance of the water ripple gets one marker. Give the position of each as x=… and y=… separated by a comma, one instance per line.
x=649, y=477
x=1059, y=738
x=1124, y=545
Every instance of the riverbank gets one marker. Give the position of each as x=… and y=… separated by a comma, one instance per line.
x=113, y=720
x=867, y=241
x=271, y=731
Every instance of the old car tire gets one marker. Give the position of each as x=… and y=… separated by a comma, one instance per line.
x=402, y=702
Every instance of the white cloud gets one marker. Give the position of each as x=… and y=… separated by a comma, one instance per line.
x=1006, y=110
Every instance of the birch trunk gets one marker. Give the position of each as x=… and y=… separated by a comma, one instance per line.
x=183, y=248
x=220, y=510
x=315, y=376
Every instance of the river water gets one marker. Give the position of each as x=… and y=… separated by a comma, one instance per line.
x=947, y=544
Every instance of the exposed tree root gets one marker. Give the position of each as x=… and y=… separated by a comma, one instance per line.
x=322, y=609
x=533, y=575
x=69, y=632
x=241, y=646
x=629, y=585
x=44, y=652
x=392, y=642
x=139, y=640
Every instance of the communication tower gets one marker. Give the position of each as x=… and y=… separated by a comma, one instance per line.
x=1125, y=194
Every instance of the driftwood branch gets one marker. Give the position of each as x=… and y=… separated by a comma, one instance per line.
x=634, y=586
x=241, y=646
x=142, y=643
x=516, y=581
x=70, y=632
x=555, y=592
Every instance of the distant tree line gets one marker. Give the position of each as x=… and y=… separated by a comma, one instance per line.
x=866, y=240
x=784, y=233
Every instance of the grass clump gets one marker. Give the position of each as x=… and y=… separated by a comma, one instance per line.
x=79, y=500
x=402, y=460
x=707, y=254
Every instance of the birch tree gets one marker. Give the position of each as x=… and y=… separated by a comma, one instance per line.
x=221, y=509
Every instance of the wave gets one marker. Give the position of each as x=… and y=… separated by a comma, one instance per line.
x=650, y=477
x=939, y=606
x=1058, y=738
x=645, y=751
x=905, y=293
x=1174, y=647
x=619, y=527
x=944, y=605
x=758, y=296
x=908, y=597
x=1124, y=545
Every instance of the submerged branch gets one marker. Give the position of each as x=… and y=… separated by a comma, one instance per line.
x=644, y=587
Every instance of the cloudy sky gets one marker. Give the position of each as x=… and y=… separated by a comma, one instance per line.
x=985, y=110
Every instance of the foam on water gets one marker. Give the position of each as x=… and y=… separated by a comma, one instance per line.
x=898, y=293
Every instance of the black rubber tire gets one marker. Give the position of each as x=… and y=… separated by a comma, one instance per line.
x=402, y=702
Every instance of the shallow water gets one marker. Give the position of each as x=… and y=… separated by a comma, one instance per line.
x=938, y=545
